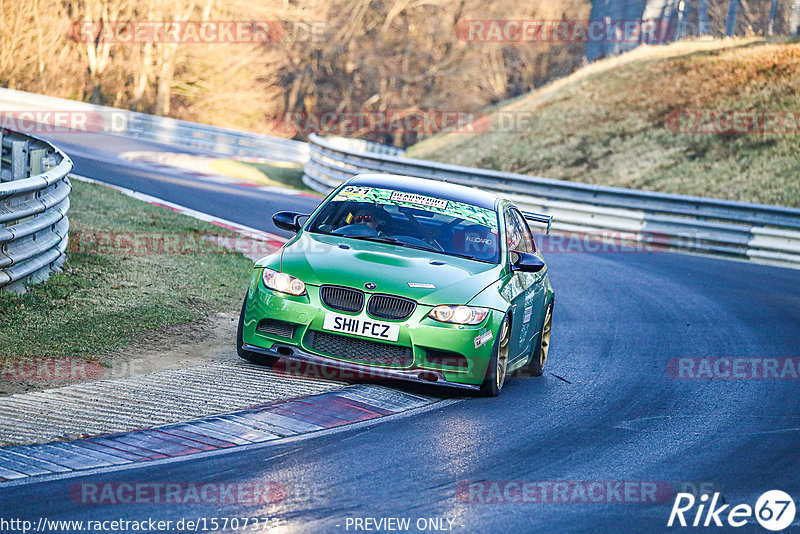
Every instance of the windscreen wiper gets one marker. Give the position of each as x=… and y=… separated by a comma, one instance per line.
x=393, y=241
x=389, y=241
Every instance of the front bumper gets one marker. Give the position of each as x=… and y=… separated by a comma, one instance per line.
x=419, y=334
x=281, y=350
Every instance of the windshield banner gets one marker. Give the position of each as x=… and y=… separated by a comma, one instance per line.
x=451, y=208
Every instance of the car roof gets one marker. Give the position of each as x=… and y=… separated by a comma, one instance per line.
x=432, y=188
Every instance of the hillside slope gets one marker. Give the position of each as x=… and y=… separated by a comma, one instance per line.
x=623, y=122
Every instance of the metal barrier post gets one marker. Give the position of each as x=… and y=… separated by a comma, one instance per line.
x=19, y=160
x=36, y=161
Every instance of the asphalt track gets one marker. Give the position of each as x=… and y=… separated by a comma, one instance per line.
x=605, y=410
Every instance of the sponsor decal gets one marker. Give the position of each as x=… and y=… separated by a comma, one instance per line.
x=450, y=208
x=399, y=196
x=355, y=191
x=478, y=240
x=483, y=339
x=528, y=312
x=422, y=284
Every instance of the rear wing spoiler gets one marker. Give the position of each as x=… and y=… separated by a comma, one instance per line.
x=539, y=218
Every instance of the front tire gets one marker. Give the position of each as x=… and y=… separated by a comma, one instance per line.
x=498, y=364
x=254, y=357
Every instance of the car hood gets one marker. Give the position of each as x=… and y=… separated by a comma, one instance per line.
x=318, y=259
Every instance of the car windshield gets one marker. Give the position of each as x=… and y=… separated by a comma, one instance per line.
x=411, y=220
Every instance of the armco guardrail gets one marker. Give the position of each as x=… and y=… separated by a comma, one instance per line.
x=362, y=145
x=34, y=199
x=696, y=224
x=161, y=129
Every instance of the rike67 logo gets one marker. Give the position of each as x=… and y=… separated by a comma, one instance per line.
x=774, y=510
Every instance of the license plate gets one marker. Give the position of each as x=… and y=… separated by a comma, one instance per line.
x=361, y=327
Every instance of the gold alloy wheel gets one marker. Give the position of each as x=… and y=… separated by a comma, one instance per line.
x=502, y=353
x=548, y=323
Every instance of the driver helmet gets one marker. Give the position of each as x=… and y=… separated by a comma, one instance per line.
x=370, y=215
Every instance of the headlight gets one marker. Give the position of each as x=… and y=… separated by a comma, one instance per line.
x=459, y=314
x=283, y=283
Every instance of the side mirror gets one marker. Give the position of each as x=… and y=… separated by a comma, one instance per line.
x=288, y=220
x=526, y=262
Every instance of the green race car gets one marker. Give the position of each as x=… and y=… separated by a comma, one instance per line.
x=404, y=278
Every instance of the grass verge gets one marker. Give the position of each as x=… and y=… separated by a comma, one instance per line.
x=273, y=173
x=288, y=174
x=609, y=124
x=102, y=303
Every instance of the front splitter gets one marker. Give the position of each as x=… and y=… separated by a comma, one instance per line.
x=365, y=371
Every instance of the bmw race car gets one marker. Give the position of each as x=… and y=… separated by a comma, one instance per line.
x=409, y=278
